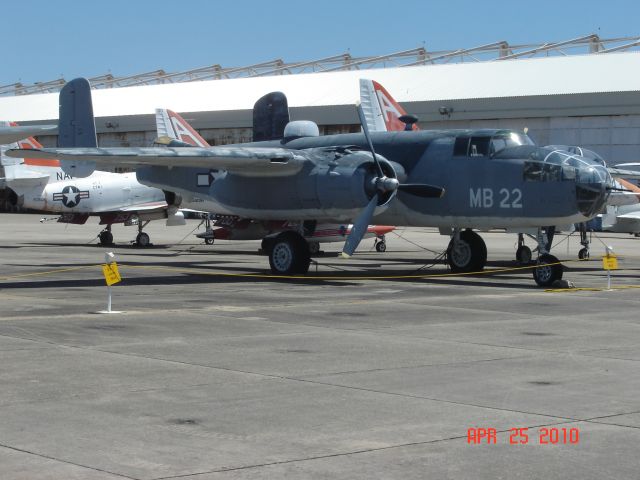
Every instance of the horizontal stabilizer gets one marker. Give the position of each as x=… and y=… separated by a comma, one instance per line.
x=13, y=134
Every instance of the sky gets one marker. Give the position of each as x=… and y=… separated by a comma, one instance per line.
x=45, y=40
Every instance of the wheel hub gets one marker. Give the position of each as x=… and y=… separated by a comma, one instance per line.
x=282, y=256
x=461, y=254
x=544, y=272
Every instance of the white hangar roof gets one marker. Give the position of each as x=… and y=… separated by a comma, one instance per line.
x=603, y=82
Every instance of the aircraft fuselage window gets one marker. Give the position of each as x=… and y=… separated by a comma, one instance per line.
x=461, y=147
x=479, y=146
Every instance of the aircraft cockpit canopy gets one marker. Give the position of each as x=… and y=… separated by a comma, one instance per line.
x=548, y=164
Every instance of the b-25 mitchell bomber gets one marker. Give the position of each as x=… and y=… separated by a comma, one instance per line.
x=490, y=178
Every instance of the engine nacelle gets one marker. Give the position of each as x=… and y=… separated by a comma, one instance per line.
x=348, y=183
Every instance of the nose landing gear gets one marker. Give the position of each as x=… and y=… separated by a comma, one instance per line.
x=523, y=253
x=583, y=254
x=381, y=244
x=142, y=239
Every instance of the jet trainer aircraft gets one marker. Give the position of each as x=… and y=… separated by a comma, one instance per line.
x=41, y=184
x=491, y=178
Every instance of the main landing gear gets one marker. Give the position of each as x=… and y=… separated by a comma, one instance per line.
x=288, y=253
x=548, y=269
x=381, y=244
x=106, y=237
x=467, y=252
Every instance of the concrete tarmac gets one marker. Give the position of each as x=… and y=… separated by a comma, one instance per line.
x=209, y=376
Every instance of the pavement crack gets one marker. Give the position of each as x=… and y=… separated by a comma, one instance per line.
x=49, y=457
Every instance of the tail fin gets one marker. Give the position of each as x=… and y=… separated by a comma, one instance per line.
x=170, y=124
x=382, y=113
x=76, y=124
x=270, y=116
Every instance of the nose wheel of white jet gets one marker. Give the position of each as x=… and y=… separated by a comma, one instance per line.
x=523, y=253
x=142, y=239
x=289, y=254
x=548, y=269
x=467, y=252
x=208, y=236
x=106, y=237
x=381, y=244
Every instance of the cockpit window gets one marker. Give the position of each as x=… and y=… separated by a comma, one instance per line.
x=461, y=147
x=471, y=146
x=548, y=165
x=508, y=140
x=479, y=146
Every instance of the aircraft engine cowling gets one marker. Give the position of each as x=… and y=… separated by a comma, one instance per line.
x=348, y=183
x=173, y=200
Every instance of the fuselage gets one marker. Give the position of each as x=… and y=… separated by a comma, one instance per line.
x=510, y=188
x=100, y=192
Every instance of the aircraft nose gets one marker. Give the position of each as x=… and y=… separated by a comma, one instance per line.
x=593, y=184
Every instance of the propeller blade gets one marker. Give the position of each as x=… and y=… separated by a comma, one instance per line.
x=422, y=190
x=359, y=228
x=365, y=129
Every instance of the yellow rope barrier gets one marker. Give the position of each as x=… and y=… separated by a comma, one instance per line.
x=193, y=271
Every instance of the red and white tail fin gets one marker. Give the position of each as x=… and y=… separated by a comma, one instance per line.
x=32, y=143
x=28, y=169
x=381, y=111
x=170, y=124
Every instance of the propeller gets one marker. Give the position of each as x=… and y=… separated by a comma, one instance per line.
x=383, y=185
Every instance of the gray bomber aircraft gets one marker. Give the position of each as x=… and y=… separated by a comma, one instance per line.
x=451, y=179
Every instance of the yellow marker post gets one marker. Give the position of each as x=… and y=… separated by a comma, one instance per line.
x=609, y=262
x=111, y=276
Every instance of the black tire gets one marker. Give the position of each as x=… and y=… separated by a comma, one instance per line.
x=208, y=240
x=267, y=245
x=583, y=254
x=106, y=238
x=314, y=247
x=545, y=274
x=143, y=240
x=471, y=254
x=381, y=247
x=289, y=254
x=523, y=255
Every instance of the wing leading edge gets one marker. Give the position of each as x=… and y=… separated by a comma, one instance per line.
x=245, y=161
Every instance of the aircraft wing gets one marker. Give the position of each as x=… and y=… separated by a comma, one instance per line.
x=246, y=161
x=13, y=134
x=619, y=172
x=628, y=222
